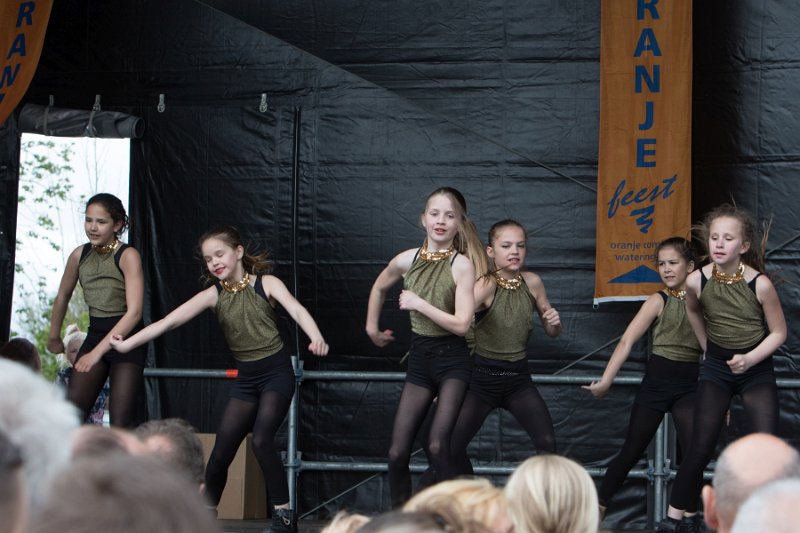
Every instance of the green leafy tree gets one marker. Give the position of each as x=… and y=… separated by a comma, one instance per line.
x=45, y=193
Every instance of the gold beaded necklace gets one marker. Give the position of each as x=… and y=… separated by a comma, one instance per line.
x=728, y=279
x=510, y=284
x=680, y=294
x=238, y=286
x=425, y=255
x=106, y=248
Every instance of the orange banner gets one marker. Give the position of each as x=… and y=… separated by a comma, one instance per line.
x=644, y=167
x=22, y=29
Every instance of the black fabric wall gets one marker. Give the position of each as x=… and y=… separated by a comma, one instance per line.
x=497, y=98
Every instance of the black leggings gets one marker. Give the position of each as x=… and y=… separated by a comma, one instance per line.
x=643, y=424
x=264, y=418
x=414, y=403
x=127, y=380
x=713, y=400
x=527, y=407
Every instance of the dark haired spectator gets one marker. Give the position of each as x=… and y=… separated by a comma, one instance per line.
x=22, y=351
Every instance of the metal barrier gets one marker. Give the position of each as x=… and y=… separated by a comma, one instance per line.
x=658, y=472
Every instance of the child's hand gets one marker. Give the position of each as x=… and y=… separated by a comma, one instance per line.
x=551, y=317
x=381, y=338
x=118, y=344
x=55, y=345
x=409, y=301
x=597, y=388
x=738, y=364
x=87, y=361
x=318, y=347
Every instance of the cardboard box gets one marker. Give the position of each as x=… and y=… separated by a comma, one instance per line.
x=245, y=495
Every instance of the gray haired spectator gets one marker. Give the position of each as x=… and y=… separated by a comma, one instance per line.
x=37, y=418
x=121, y=492
x=743, y=466
x=13, y=502
x=176, y=441
x=775, y=508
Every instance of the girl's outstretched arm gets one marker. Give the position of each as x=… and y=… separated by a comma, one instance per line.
x=201, y=301
x=276, y=289
x=457, y=323
x=776, y=325
x=131, y=265
x=390, y=275
x=650, y=309
x=551, y=321
x=68, y=281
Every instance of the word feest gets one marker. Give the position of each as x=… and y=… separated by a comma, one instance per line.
x=622, y=197
x=18, y=47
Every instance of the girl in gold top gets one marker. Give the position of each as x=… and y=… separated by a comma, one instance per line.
x=244, y=298
x=506, y=298
x=736, y=308
x=670, y=379
x=110, y=273
x=438, y=279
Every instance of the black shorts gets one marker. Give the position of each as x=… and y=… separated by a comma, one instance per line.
x=272, y=373
x=98, y=329
x=496, y=382
x=432, y=360
x=665, y=382
x=716, y=370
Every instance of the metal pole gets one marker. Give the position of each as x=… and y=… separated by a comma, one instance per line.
x=660, y=472
x=292, y=459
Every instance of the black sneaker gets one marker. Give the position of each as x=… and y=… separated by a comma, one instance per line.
x=668, y=525
x=693, y=524
x=283, y=521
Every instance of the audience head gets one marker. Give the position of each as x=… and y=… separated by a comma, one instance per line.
x=73, y=339
x=552, y=494
x=121, y=492
x=35, y=416
x=743, y=466
x=466, y=504
x=90, y=441
x=345, y=522
x=13, y=500
x=22, y=351
x=175, y=441
x=775, y=507
x=404, y=522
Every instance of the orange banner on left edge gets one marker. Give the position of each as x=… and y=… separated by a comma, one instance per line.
x=644, y=167
x=22, y=29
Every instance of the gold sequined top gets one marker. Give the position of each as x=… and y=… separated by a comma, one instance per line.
x=249, y=323
x=502, y=332
x=673, y=337
x=734, y=317
x=432, y=281
x=103, y=283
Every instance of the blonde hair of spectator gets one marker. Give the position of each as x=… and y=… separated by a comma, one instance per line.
x=552, y=494
x=466, y=504
x=345, y=522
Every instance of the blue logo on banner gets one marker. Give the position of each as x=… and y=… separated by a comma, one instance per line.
x=640, y=274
